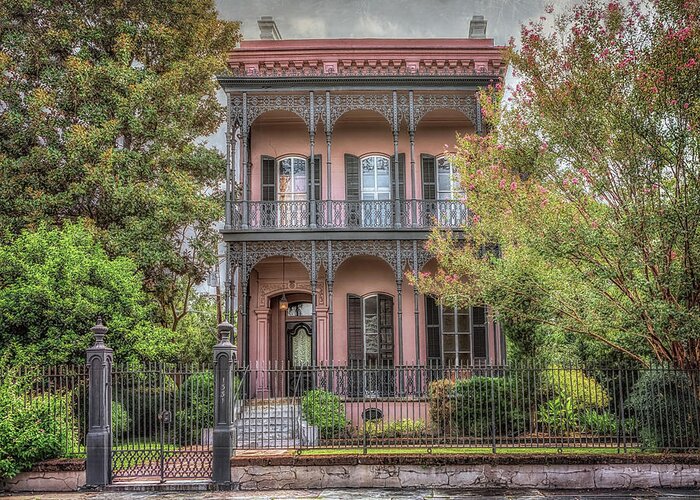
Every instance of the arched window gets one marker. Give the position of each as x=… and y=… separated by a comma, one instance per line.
x=292, y=181
x=376, y=191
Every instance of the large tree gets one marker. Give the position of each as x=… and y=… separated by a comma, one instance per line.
x=589, y=182
x=102, y=103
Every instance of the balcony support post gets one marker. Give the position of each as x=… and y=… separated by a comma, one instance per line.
x=329, y=136
x=395, y=131
x=243, y=331
x=399, y=303
x=245, y=159
x=229, y=160
x=477, y=113
x=314, y=301
x=312, y=161
x=412, y=138
x=329, y=301
x=415, y=301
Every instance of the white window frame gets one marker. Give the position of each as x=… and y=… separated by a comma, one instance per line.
x=377, y=210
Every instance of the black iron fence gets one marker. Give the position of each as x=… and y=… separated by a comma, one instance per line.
x=472, y=407
x=342, y=215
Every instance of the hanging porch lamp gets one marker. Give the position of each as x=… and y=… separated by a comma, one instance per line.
x=284, y=305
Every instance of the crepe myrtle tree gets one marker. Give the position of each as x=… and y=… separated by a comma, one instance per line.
x=589, y=183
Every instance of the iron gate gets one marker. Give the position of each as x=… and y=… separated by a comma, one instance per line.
x=162, y=421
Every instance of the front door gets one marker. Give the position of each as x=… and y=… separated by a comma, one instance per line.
x=300, y=356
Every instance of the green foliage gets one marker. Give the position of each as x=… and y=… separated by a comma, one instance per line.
x=600, y=424
x=32, y=429
x=121, y=421
x=55, y=282
x=441, y=405
x=574, y=385
x=405, y=428
x=666, y=410
x=195, y=336
x=558, y=416
x=197, y=394
x=324, y=410
x=481, y=402
x=102, y=105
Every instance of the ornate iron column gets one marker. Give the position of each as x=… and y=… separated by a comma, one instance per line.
x=223, y=435
x=244, y=160
x=329, y=137
x=415, y=301
x=229, y=140
x=399, y=300
x=98, y=467
x=314, y=299
x=312, y=160
x=395, y=131
x=412, y=138
x=329, y=291
x=243, y=330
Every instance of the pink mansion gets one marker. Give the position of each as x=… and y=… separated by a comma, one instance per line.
x=337, y=174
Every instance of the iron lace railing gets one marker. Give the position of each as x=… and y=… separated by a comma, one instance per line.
x=344, y=215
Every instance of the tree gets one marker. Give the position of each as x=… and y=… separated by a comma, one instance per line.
x=101, y=104
x=55, y=282
x=590, y=181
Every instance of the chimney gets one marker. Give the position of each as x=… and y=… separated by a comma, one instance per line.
x=477, y=27
x=268, y=29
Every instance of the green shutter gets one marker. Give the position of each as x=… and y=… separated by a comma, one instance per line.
x=317, y=178
x=352, y=178
x=356, y=351
x=267, y=166
x=402, y=177
x=429, y=176
x=432, y=328
x=386, y=329
x=479, y=329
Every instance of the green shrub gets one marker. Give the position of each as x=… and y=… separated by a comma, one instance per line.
x=481, y=402
x=441, y=405
x=196, y=395
x=324, y=410
x=558, y=416
x=121, y=421
x=666, y=410
x=583, y=391
x=601, y=424
x=32, y=430
x=405, y=428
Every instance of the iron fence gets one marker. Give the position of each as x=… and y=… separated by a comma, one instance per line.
x=55, y=399
x=470, y=407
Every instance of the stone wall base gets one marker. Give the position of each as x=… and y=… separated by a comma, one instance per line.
x=565, y=476
x=55, y=481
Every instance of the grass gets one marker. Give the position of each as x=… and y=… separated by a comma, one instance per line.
x=136, y=453
x=464, y=451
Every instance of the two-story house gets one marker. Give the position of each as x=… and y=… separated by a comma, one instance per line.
x=338, y=169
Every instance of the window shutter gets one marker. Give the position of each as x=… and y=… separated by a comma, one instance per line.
x=352, y=178
x=355, y=341
x=267, y=165
x=402, y=177
x=429, y=177
x=479, y=332
x=317, y=178
x=352, y=191
x=432, y=327
x=386, y=330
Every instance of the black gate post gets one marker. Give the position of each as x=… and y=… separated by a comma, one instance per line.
x=224, y=361
x=99, y=437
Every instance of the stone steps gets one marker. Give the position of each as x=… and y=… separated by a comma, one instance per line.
x=273, y=424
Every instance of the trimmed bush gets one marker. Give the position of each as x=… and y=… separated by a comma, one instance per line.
x=666, y=410
x=481, y=402
x=405, y=428
x=324, y=410
x=583, y=391
x=441, y=404
x=120, y=419
x=31, y=430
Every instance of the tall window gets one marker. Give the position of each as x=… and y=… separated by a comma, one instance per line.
x=376, y=191
x=451, y=209
x=456, y=336
x=292, y=183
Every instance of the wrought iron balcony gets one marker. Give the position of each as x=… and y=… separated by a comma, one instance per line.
x=348, y=215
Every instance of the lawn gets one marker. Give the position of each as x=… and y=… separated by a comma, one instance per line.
x=464, y=451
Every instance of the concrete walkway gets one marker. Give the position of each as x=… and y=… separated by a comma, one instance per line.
x=359, y=494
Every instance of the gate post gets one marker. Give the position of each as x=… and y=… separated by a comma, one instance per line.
x=99, y=437
x=224, y=360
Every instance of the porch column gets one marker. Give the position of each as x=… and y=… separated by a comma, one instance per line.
x=416, y=314
x=399, y=302
x=395, y=131
x=229, y=160
x=312, y=162
x=262, y=357
x=314, y=299
x=245, y=159
x=243, y=307
x=329, y=136
x=412, y=139
x=329, y=302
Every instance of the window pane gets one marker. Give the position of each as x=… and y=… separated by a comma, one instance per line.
x=300, y=184
x=371, y=315
x=463, y=322
x=372, y=344
x=448, y=343
x=448, y=320
x=464, y=359
x=368, y=182
x=383, y=196
x=286, y=166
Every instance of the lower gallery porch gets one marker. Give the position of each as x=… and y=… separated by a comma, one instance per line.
x=377, y=334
